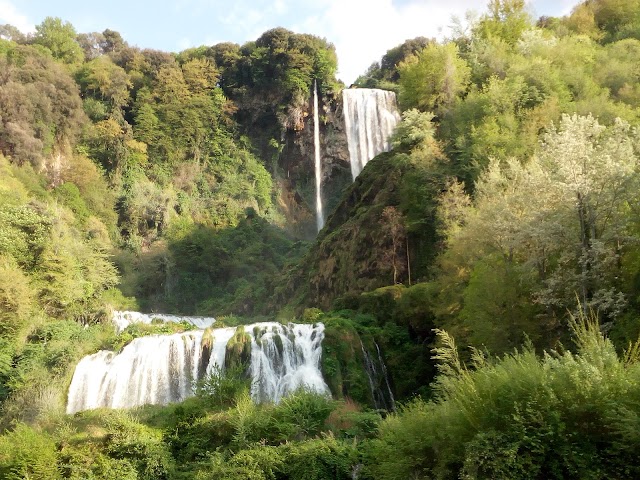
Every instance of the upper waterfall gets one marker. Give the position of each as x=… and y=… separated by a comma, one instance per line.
x=370, y=116
x=318, y=164
x=160, y=369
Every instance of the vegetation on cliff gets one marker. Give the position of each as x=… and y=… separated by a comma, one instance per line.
x=506, y=214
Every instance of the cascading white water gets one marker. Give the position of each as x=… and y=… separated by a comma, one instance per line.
x=318, y=164
x=370, y=116
x=122, y=319
x=385, y=375
x=285, y=358
x=160, y=369
x=157, y=369
x=379, y=386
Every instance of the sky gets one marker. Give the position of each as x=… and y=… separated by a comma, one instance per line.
x=361, y=30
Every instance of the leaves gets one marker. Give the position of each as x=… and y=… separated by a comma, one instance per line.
x=518, y=416
x=433, y=78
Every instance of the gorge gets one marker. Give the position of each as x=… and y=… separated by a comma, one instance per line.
x=161, y=369
x=339, y=309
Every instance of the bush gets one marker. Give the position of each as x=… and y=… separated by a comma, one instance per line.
x=16, y=297
x=28, y=453
x=140, y=445
x=319, y=459
x=303, y=414
x=221, y=387
x=257, y=463
x=348, y=421
x=520, y=417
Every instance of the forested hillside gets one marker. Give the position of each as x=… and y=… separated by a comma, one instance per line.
x=487, y=266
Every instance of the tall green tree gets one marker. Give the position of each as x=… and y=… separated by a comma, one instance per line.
x=506, y=20
x=432, y=79
x=559, y=221
x=60, y=39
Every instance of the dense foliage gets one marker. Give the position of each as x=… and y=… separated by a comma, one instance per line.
x=163, y=131
x=507, y=208
x=512, y=180
x=565, y=415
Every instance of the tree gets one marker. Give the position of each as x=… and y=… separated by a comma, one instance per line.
x=618, y=18
x=560, y=221
x=384, y=74
x=104, y=79
x=40, y=108
x=595, y=171
x=112, y=41
x=91, y=44
x=507, y=19
x=9, y=32
x=60, y=39
x=392, y=223
x=416, y=131
x=433, y=78
x=617, y=70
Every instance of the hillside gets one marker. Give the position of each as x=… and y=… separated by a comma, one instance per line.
x=468, y=310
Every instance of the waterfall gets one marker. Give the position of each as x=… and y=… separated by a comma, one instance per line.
x=122, y=319
x=285, y=358
x=385, y=376
x=316, y=144
x=157, y=369
x=160, y=369
x=379, y=386
x=370, y=115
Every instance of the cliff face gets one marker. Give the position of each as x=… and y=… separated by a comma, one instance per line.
x=297, y=160
x=352, y=253
x=286, y=144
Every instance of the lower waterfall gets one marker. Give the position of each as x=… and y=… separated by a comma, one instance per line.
x=160, y=369
x=379, y=386
x=285, y=358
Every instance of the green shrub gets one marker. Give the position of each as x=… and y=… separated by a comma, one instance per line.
x=302, y=414
x=221, y=387
x=347, y=420
x=319, y=459
x=16, y=297
x=257, y=463
x=251, y=423
x=520, y=417
x=69, y=194
x=140, y=445
x=28, y=453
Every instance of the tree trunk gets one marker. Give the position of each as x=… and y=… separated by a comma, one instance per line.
x=408, y=261
x=585, y=266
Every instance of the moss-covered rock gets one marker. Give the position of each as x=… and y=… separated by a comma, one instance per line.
x=343, y=362
x=399, y=322
x=238, y=354
x=354, y=252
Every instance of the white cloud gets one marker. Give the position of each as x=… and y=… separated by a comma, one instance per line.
x=553, y=7
x=249, y=19
x=280, y=7
x=10, y=14
x=363, y=30
x=184, y=43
